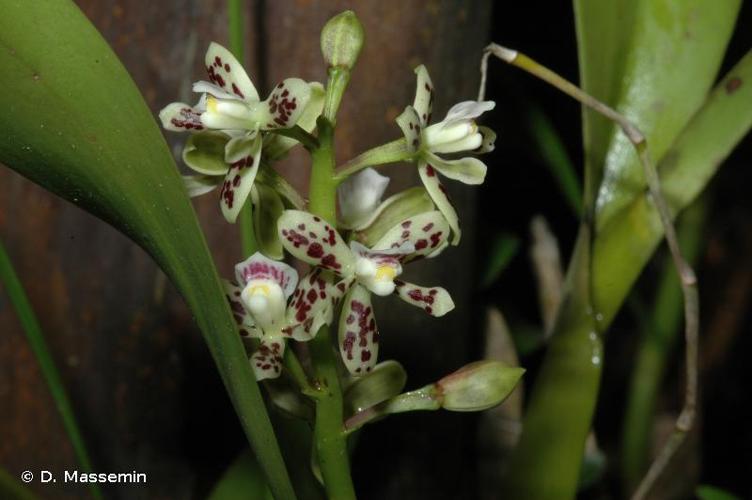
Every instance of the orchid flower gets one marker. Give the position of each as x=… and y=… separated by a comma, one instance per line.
x=456, y=133
x=365, y=271
x=270, y=305
x=359, y=198
x=231, y=104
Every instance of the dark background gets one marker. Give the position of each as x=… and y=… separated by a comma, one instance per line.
x=142, y=382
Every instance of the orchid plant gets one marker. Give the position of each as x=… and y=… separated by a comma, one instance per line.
x=235, y=139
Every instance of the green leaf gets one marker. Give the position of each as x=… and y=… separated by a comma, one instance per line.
x=552, y=151
x=243, y=479
x=673, y=57
x=11, y=487
x=74, y=122
x=624, y=246
x=603, y=32
x=707, y=492
x=504, y=247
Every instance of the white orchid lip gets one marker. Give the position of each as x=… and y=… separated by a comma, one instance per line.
x=378, y=277
x=265, y=302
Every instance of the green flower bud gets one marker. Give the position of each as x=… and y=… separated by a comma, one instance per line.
x=478, y=386
x=342, y=39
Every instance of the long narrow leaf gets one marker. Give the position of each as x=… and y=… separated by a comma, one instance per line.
x=74, y=122
x=9, y=279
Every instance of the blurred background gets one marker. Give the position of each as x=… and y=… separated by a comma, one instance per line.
x=141, y=379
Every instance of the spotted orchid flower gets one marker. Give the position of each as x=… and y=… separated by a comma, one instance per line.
x=266, y=302
x=365, y=271
x=230, y=103
x=456, y=133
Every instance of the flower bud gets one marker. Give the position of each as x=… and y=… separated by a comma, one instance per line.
x=478, y=386
x=342, y=39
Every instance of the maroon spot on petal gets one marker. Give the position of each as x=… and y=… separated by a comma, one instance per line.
x=315, y=250
x=430, y=171
x=421, y=244
x=227, y=67
x=365, y=356
x=407, y=224
x=427, y=227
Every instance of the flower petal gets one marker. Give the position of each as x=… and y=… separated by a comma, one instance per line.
x=196, y=185
x=242, y=318
x=238, y=182
x=226, y=72
x=267, y=208
x=313, y=303
x=205, y=153
x=240, y=146
x=431, y=180
x=466, y=110
x=358, y=333
x=313, y=240
x=423, y=95
x=359, y=196
x=260, y=267
x=286, y=104
x=212, y=89
x=392, y=211
x=179, y=117
x=229, y=114
x=466, y=170
x=267, y=360
x=278, y=145
x=489, y=140
x=426, y=233
x=436, y=301
x=410, y=123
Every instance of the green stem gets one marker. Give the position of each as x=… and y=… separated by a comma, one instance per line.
x=308, y=141
x=658, y=340
x=575, y=350
x=329, y=431
x=248, y=243
x=50, y=373
x=391, y=152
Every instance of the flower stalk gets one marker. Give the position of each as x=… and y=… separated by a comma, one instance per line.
x=329, y=433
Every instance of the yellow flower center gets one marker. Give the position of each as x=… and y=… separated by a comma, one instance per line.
x=385, y=273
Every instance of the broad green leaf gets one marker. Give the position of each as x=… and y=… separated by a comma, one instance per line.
x=624, y=246
x=74, y=122
x=243, y=479
x=671, y=62
x=603, y=31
